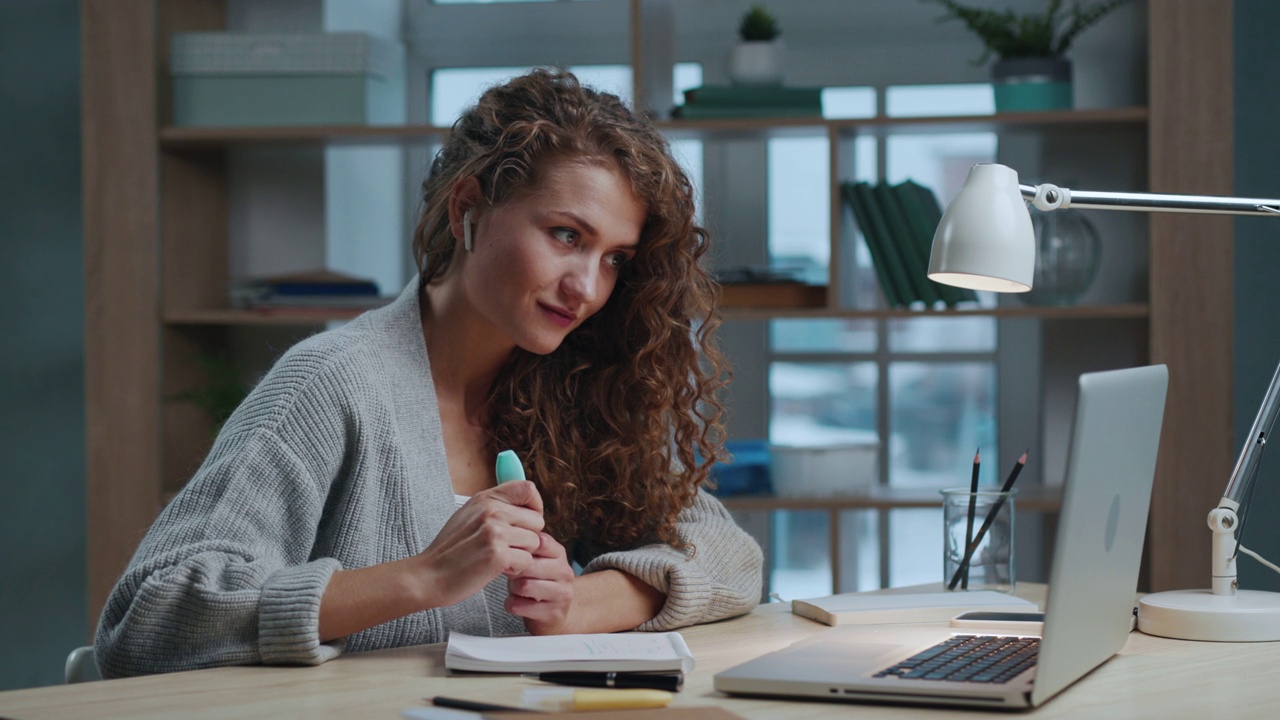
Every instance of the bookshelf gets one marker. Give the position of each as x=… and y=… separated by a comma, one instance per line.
x=1031, y=499
x=192, y=144
x=157, y=229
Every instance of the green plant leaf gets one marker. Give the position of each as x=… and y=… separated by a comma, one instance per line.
x=223, y=390
x=1035, y=34
x=758, y=25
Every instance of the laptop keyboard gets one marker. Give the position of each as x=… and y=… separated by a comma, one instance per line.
x=970, y=658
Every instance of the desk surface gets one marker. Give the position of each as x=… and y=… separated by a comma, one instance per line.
x=1150, y=677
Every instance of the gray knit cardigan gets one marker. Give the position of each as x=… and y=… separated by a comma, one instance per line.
x=336, y=460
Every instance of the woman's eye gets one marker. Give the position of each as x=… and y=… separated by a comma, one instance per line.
x=618, y=260
x=567, y=236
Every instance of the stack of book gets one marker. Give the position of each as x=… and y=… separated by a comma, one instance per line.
x=898, y=223
x=749, y=101
x=318, y=291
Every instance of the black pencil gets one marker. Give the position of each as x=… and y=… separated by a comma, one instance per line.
x=448, y=702
x=990, y=519
x=973, y=497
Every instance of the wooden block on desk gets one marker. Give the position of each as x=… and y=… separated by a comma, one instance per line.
x=707, y=712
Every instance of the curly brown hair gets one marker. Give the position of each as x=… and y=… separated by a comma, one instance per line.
x=621, y=423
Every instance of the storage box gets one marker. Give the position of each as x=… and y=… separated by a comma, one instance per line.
x=747, y=473
x=253, y=79
x=824, y=471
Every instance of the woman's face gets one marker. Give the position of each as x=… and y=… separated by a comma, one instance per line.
x=547, y=260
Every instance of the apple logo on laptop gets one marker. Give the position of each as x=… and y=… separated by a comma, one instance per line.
x=1113, y=522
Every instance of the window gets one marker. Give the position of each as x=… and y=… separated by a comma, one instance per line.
x=922, y=389
x=478, y=2
x=455, y=89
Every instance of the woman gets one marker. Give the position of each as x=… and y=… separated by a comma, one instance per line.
x=350, y=503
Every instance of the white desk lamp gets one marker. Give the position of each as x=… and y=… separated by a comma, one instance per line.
x=985, y=242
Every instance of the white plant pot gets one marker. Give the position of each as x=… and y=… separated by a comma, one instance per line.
x=756, y=63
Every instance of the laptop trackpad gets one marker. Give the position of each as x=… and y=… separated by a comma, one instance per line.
x=819, y=660
x=855, y=653
x=840, y=654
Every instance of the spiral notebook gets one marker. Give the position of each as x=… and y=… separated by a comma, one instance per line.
x=595, y=652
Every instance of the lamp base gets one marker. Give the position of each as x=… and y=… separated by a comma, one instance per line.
x=1247, y=616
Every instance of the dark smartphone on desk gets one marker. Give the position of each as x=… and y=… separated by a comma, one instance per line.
x=1029, y=622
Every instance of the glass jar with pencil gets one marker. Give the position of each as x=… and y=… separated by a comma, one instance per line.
x=977, y=533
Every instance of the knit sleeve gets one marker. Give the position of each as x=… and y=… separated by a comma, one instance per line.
x=720, y=579
x=224, y=576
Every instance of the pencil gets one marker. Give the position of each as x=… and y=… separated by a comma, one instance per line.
x=973, y=497
x=1017, y=468
x=480, y=707
x=989, y=521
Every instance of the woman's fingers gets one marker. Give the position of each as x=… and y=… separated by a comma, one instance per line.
x=520, y=493
x=542, y=593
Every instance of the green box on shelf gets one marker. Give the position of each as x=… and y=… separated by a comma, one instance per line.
x=226, y=79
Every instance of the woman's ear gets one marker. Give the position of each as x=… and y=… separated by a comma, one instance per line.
x=463, y=201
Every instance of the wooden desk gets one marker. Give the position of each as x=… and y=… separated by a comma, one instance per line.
x=1151, y=677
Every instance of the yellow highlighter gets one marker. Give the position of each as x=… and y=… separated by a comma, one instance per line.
x=508, y=467
x=561, y=699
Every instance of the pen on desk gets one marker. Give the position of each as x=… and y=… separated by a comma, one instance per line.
x=653, y=681
x=473, y=706
x=986, y=524
x=562, y=699
x=973, y=498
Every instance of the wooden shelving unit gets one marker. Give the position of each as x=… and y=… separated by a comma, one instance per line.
x=1040, y=499
x=1035, y=499
x=181, y=138
x=254, y=318
x=175, y=138
x=1061, y=312
x=156, y=235
x=740, y=303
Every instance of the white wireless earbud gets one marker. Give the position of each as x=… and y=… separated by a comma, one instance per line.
x=466, y=230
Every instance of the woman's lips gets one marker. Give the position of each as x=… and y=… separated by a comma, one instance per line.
x=561, y=317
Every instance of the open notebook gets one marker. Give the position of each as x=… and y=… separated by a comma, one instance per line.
x=596, y=652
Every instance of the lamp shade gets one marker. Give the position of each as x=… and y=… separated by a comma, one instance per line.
x=985, y=240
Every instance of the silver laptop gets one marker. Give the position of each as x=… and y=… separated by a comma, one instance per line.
x=1088, y=613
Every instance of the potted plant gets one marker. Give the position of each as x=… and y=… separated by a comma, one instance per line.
x=223, y=390
x=1032, y=71
x=757, y=58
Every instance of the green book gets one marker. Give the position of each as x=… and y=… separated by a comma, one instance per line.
x=907, y=292
x=754, y=96
x=887, y=288
x=724, y=112
x=909, y=196
x=931, y=211
x=892, y=279
x=915, y=257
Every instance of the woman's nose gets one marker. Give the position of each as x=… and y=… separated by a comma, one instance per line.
x=582, y=280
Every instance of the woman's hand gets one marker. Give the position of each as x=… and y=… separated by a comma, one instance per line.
x=543, y=593
x=496, y=532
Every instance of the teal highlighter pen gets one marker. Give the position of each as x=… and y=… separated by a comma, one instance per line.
x=508, y=467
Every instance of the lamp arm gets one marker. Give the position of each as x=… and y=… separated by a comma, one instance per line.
x=1247, y=466
x=1222, y=520
x=1052, y=197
